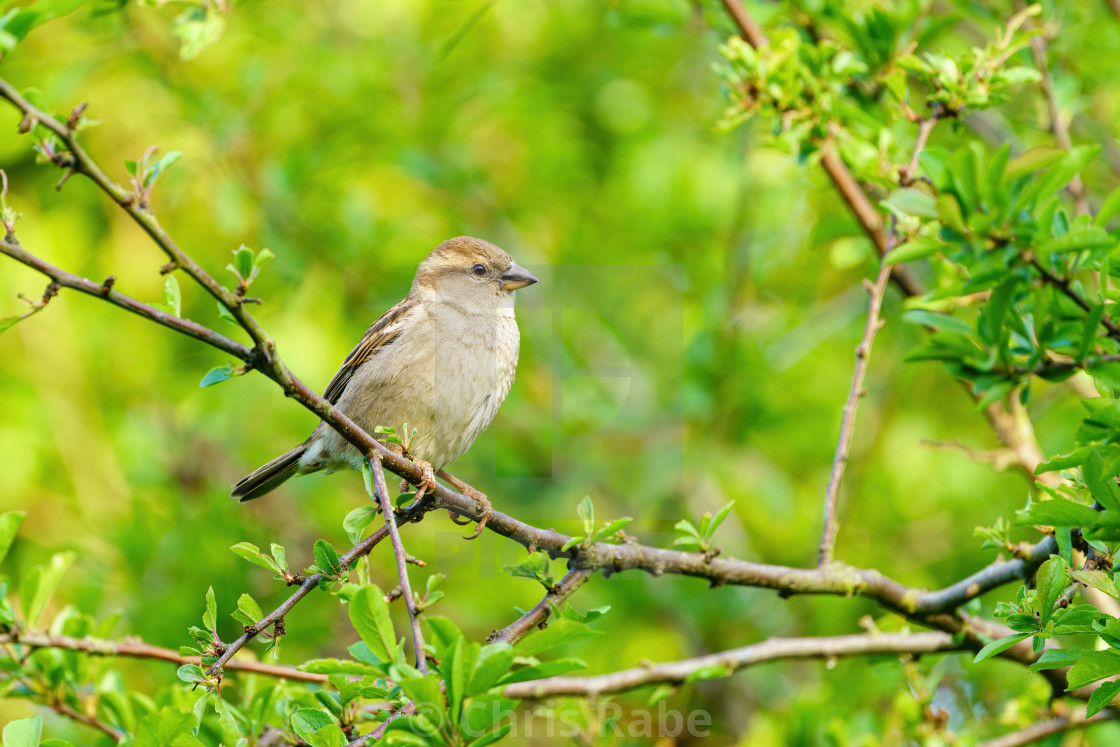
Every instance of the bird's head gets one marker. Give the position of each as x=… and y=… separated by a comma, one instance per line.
x=471, y=269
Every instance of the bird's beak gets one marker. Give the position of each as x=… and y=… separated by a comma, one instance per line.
x=517, y=277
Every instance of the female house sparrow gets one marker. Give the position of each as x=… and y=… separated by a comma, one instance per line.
x=442, y=360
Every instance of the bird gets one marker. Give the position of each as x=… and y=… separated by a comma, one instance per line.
x=439, y=364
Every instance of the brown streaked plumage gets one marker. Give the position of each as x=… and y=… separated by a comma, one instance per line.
x=441, y=360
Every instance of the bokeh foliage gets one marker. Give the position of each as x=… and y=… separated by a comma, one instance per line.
x=691, y=344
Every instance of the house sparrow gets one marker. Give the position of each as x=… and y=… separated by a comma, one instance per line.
x=442, y=360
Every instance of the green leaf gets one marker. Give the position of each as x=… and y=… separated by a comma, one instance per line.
x=171, y=294
x=1100, y=483
x=9, y=525
x=915, y=249
x=358, y=519
x=166, y=728
x=1058, y=658
x=1098, y=579
x=210, y=616
x=251, y=610
x=191, y=673
x=1093, y=237
x=216, y=375
x=1059, y=512
x=1052, y=580
x=369, y=614
x=243, y=261
x=999, y=646
x=252, y=553
x=544, y=669
x=586, y=511
x=327, y=557
x=1092, y=667
x=24, y=732
x=610, y=529
x=308, y=722
x=1108, y=209
x=559, y=633
x=1102, y=697
x=263, y=256
x=1031, y=161
x=494, y=661
x=39, y=585
x=912, y=201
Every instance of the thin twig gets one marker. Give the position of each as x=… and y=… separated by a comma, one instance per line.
x=925, y=127
x=311, y=582
x=1043, y=729
x=538, y=615
x=74, y=714
x=847, y=425
x=381, y=490
x=1057, y=122
x=1066, y=287
x=136, y=649
x=775, y=649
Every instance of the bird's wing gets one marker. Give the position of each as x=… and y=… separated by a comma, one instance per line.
x=381, y=333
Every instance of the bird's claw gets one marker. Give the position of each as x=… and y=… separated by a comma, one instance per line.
x=487, y=512
x=427, y=479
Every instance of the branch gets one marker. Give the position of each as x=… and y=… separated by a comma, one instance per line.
x=538, y=616
x=1057, y=122
x=64, y=709
x=412, y=513
x=382, y=493
x=847, y=425
x=775, y=649
x=1043, y=729
x=105, y=292
x=136, y=649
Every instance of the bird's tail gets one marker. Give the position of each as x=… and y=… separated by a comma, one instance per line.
x=267, y=478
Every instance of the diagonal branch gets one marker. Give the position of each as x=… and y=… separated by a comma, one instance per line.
x=826, y=553
x=1048, y=728
x=382, y=493
x=538, y=616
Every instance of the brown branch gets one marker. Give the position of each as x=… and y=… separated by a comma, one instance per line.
x=537, y=617
x=1057, y=122
x=135, y=649
x=847, y=425
x=64, y=709
x=775, y=649
x=105, y=292
x=413, y=513
x=381, y=490
x=1043, y=729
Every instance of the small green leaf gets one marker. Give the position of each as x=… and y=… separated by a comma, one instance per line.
x=191, y=673
x=358, y=519
x=171, y=294
x=327, y=557
x=39, y=585
x=9, y=525
x=252, y=553
x=243, y=261
x=210, y=616
x=216, y=375
x=263, y=256
x=586, y=512
x=1051, y=581
x=999, y=646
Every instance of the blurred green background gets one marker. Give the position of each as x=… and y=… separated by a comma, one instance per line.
x=692, y=342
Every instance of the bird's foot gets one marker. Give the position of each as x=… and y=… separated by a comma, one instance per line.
x=470, y=492
x=427, y=479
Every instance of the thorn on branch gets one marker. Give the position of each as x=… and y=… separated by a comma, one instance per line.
x=170, y=267
x=27, y=123
x=107, y=284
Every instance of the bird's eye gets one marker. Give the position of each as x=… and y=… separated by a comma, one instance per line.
x=478, y=270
